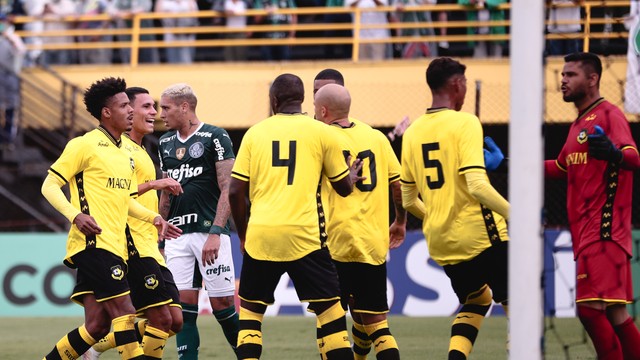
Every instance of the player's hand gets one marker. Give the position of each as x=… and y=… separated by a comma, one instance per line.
x=397, y=233
x=87, y=224
x=210, y=249
x=354, y=170
x=492, y=154
x=602, y=148
x=400, y=127
x=166, y=230
x=168, y=184
x=242, y=251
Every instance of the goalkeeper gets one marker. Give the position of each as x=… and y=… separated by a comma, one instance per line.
x=597, y=161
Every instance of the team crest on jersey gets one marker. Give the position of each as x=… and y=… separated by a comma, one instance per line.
x=180, y=153
x=591, y=117
x=116, y=272
x=582, y=137
x=150, y=282
x=132, y=163
x=207, y=223
x=196, y=150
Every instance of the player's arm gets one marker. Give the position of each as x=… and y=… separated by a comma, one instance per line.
x=223, y=211
x=52, y=191
x=398, y=229
x=554, y=170
x=238, y=195
x=164, y=184
x=164, y=204
x=480, y=188
x=410, y=200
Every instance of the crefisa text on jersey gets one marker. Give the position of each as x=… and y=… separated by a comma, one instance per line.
x=184, y=172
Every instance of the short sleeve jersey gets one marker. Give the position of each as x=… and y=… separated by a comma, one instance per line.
x=438, y=149
x=144, y=235
x=598, y=193
x=358, y=225
x=192, y=162
x=101, y=182
x=283, y=159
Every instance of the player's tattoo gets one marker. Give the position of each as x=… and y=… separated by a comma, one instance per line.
x=223, y=210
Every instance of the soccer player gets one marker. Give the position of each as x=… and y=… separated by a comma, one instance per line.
x=101, y=182
x=597, y=161
x=358, y=235
x=200, y=157
x=153, y=291
x=278, y=168
x=332, y=76
x=463, y=215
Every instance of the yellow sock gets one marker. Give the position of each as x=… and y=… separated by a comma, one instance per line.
x=250, y=335
x=466, y=325
x=125, y=337
x=361, y=341
x=106, y=343
x=153, y=342
x=383, y=342
x=74, y=344
x=334, y=331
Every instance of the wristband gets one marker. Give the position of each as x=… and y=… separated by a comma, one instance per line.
x=215, y=229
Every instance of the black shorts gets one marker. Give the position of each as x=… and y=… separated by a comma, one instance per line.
x=314, y=278
x=148, y=282
x=366, y=284
x=101, y=273
x=490, y=267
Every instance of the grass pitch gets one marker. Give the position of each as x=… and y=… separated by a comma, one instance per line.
x=293, y=338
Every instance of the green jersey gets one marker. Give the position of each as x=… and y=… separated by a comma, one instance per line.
x=192, y=162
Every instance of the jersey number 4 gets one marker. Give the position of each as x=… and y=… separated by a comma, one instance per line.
x=290, y=163
x=432, y=163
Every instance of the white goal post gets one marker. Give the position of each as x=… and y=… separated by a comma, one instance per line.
x=526, y=179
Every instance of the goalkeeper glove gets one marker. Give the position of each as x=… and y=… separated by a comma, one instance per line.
x=493, y=156
x=602, y=148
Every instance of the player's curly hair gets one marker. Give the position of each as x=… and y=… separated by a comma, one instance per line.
x=100, y=93
x=287, y=89
x=441, y=70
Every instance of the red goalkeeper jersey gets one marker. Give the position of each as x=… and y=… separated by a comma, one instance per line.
x=598, y=192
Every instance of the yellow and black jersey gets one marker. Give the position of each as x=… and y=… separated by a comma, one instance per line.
x=358, y=225
x=438, y=149
x=143, y=234
x=283, y=159
x=101, y=182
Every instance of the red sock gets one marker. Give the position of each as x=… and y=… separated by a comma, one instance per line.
x=601, y=333
x=629, y=339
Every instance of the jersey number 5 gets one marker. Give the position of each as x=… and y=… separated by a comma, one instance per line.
x=433, y=163
x=290, y=163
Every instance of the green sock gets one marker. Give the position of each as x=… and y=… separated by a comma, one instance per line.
x=188, y=340
x=228, y=319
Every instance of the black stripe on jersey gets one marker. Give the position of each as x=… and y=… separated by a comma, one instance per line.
x=240, y=175
x=470, y=167
x=90, y=240
x=394, y=178
x=607, y=210
x=490, y=225
x=133, y=194
x=131, y=246
x=59, y=175
x=337, y=176
x=322, y=222
x=407, y=182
